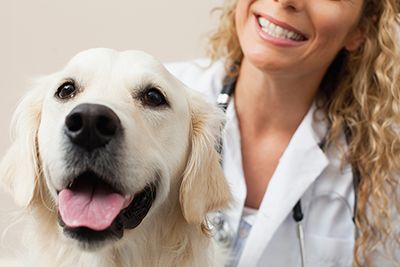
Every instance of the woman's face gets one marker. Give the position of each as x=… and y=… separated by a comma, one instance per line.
x=301, y=36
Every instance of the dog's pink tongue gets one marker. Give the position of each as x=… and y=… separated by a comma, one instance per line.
x=94, y=207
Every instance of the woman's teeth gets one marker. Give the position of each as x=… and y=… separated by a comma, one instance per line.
x=277, y=31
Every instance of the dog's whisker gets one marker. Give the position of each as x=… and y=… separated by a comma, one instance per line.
x=17, y=217
x=43, y=192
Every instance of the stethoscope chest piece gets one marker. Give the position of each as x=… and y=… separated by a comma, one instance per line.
x=221, y=231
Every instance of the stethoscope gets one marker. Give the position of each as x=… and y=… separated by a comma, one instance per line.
x=223, y=101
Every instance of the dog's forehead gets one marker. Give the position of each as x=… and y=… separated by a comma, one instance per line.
x=108, y=60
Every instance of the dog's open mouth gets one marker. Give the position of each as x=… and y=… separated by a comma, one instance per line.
x=91, y=209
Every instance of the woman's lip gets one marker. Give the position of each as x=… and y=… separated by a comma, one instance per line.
x=281, y=24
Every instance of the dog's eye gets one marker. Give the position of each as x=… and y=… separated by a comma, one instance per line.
x=154, y=98
x=66, y=90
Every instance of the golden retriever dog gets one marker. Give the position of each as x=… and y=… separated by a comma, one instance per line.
x=114, y=160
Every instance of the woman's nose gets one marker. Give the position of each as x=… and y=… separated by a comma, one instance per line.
x=293, y=5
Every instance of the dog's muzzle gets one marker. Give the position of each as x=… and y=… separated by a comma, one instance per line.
x=93, y=205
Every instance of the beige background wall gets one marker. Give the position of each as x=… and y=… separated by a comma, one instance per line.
x=38, y=37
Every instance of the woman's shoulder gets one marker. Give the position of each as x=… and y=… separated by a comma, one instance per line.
x=202, y=75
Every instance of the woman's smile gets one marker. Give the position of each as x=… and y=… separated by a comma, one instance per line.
x=277, y=32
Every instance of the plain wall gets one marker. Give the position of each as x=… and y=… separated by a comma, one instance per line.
x=38, y=37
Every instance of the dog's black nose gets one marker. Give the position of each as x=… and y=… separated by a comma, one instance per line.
x=91, y=126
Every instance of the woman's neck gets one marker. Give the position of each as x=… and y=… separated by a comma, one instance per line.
x=272, y=102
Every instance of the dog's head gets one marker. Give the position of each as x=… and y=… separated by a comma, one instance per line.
x=107, y=139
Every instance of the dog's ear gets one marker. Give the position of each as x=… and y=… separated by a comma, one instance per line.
x=19, y=168
x=203, y=187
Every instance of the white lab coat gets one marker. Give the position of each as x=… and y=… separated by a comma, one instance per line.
x=304, y=171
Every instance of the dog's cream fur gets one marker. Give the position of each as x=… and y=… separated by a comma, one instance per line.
x=179, y=142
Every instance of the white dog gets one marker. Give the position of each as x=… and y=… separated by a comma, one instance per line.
x=115, y=160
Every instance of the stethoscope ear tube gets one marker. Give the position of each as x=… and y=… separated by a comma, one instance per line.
x=355, y=172
x=300, y=237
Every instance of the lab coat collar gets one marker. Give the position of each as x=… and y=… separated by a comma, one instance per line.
x=232, y=165
x=300, y=165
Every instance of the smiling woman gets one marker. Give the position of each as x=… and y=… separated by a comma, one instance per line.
x=311, y=144
x=298, y=66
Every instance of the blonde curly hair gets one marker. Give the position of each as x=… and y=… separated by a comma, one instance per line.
x=360, y=93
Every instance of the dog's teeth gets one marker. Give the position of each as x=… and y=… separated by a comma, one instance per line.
x=128, y=197
x=128, y=200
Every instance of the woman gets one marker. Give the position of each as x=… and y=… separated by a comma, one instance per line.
x=311, y=121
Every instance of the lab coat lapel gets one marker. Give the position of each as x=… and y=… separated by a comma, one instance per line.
x=301, y=163
x=233, y=169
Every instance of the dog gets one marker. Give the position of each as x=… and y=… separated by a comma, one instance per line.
x=115, y=162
